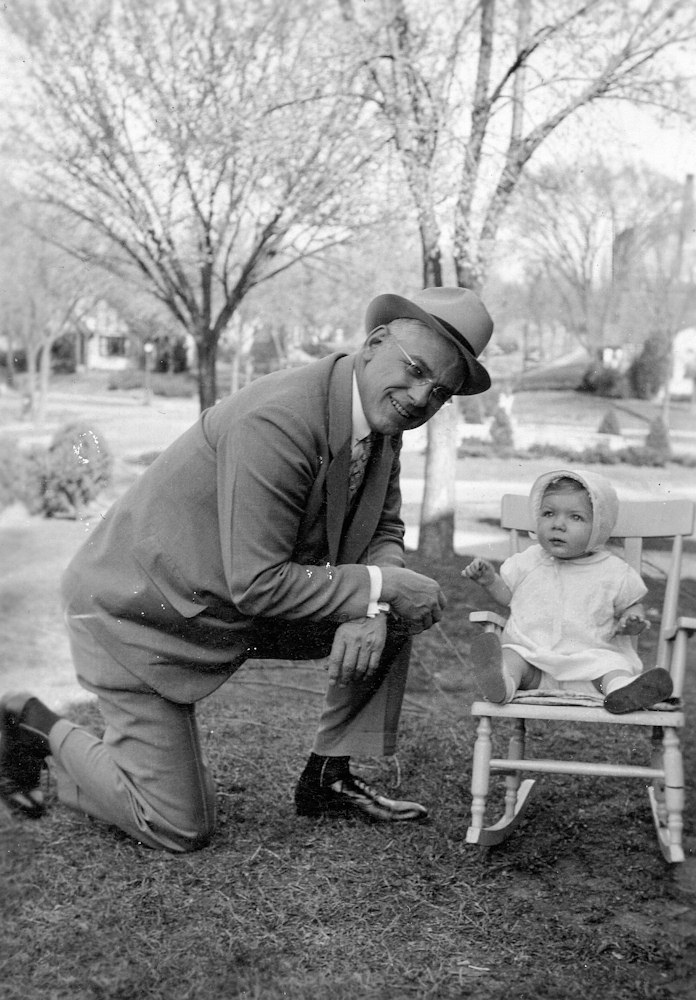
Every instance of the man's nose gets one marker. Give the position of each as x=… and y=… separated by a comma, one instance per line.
x=420, y=394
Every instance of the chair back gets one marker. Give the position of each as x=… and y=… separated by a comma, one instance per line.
x=637, y=521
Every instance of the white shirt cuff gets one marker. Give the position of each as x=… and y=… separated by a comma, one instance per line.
x=375, y=606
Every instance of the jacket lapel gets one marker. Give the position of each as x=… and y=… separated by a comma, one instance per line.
x=368, y=510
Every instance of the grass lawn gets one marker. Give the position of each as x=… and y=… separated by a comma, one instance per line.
x=578, y=904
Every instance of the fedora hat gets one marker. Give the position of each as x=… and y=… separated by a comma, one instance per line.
x=455, y=313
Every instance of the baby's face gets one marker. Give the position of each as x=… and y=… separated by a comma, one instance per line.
x=564, y=524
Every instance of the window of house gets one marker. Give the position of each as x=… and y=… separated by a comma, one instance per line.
x=113, y=347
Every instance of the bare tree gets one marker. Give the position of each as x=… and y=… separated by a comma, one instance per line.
x=611, y=244
x=561, y=57
x=670, y=276
x=594, y=231
x=535, y=63
x=210, y=144
x=44, y=292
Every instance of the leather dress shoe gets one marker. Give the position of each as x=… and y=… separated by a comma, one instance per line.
x=351, y=795
x=22, y=758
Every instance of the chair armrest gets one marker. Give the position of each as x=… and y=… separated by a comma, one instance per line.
x=488, y=618
x=687, y=625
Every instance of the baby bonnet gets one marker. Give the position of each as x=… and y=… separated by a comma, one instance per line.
x=603, y=498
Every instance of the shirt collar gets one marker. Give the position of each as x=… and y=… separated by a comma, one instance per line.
x=360, y=426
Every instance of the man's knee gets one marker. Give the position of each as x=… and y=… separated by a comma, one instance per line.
x=176, y=837
x=186, y=843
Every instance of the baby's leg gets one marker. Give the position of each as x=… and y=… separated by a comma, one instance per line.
x=612, y=681
x=500, y=672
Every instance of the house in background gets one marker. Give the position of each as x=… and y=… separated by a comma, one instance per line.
x=102, y=342
x=681, y=384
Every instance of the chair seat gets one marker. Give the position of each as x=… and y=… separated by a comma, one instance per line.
x=564, y=709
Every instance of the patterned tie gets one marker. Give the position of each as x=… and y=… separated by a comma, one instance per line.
x=359, y=458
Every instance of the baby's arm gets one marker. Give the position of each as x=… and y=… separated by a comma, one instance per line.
x=483, y=573
x=632, y=621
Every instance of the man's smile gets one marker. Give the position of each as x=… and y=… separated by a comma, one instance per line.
x=400, y=410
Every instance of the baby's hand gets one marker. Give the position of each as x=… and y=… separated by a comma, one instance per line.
x=480, y=571
x=631, y=624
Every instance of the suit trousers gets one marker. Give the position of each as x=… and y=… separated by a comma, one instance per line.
x=148, y=774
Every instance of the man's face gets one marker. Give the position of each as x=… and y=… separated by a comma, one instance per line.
x=394, y=396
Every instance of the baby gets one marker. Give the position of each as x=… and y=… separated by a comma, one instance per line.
x=573, y=604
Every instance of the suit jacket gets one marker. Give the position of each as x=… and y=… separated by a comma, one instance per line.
x=244, y=517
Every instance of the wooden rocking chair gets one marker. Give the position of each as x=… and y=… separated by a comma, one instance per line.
x=637, y=521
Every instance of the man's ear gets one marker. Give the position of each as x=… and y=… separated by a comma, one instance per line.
x=374, y=339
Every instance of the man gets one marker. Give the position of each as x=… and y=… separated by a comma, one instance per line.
x=271, y=528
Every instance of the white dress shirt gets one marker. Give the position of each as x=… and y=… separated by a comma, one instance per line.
x=360, y=429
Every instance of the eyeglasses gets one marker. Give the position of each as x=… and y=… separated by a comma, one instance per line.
x=439, y=394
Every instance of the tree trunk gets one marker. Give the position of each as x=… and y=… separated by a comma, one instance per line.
x=432, y=256
x=44, y=379
x=10, y=371
x=432, y=269
x=206, y=349
x=467, y=271
x=29, y=395
x=436, y=538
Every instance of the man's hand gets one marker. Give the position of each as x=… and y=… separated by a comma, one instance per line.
x=415, y=598
x=480, y=571
x=356, y=650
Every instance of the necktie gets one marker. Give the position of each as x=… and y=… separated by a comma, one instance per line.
x=360, y=455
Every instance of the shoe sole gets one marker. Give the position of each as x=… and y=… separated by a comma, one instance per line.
x=646, y=690
x=487, y=660
x=18, y=787
x=313, y=810
x=348, y=811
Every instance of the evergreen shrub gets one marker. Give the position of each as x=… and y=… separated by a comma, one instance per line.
x=609, y=423
x=657, y=439
x=647, y=373
x=478, y=408
x=64, y=478
x=501, y=432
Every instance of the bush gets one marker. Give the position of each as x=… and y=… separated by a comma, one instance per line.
x=181, y=386
x=641, y=455
x=599, y=455
x=12, y=473
x=603, y=381
x=478, y=408
x=179, y=357
x=123, y=381
x=63, y=479
x=609, y=423
x=657, y=438
x=19, y=360
x=64, y=356
x=648, y=372
x=474, y=448
x=501, y=432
